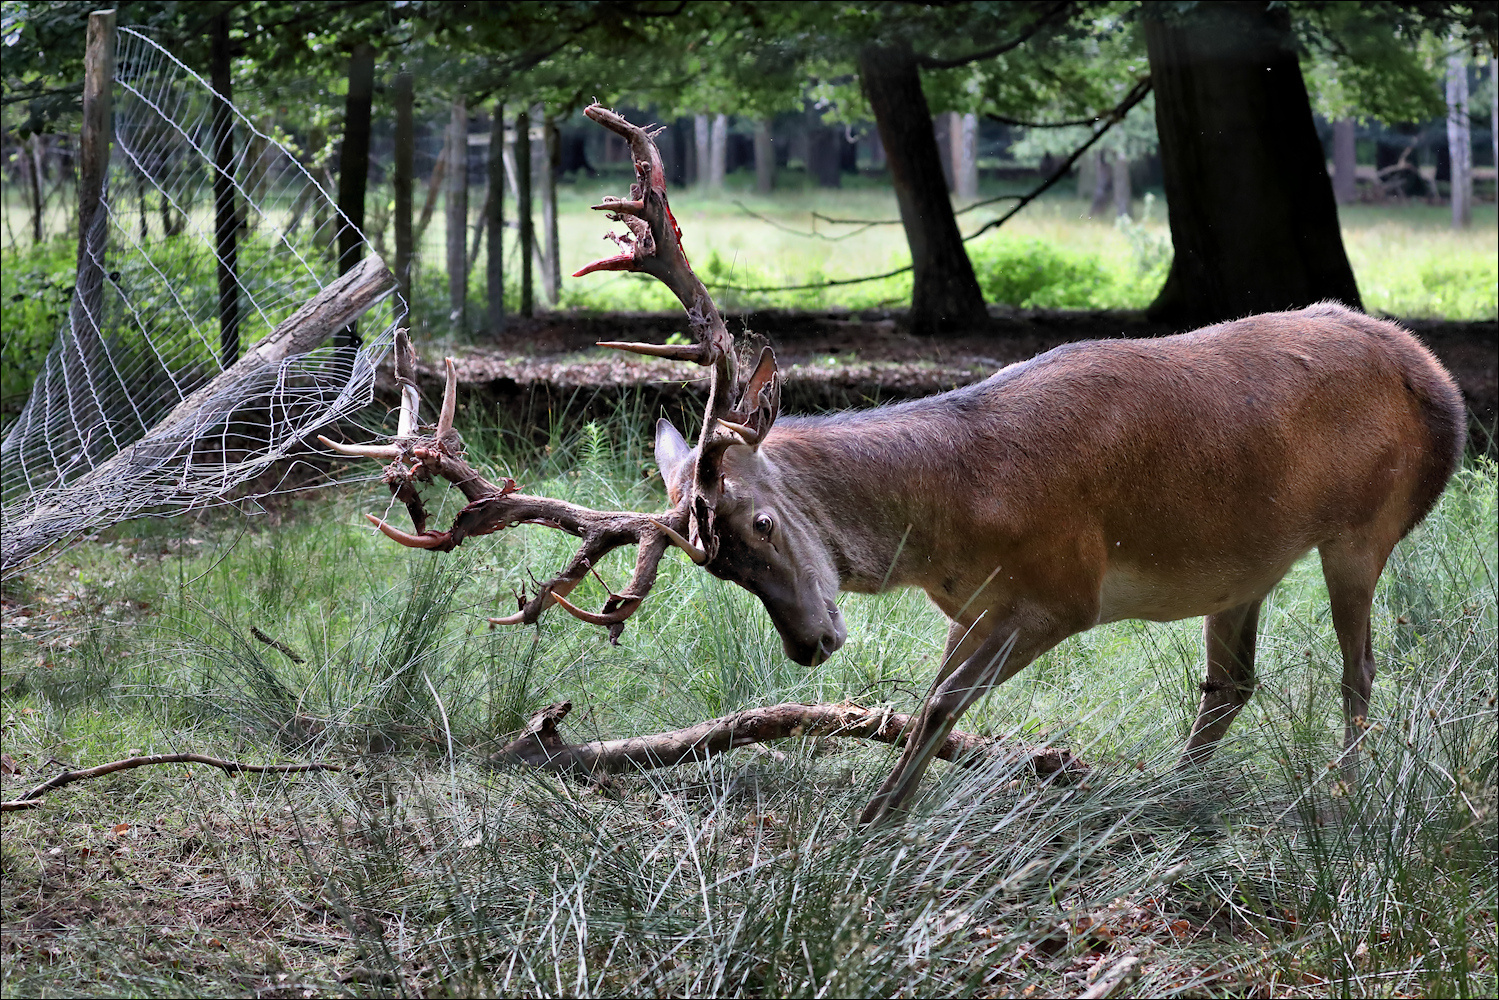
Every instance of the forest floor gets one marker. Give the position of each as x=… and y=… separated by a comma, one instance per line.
x=834, y=359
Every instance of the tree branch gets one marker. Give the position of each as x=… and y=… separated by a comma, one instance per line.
x=932, y=62
x=32, y=799
x=1135, y=96
x=542, y=746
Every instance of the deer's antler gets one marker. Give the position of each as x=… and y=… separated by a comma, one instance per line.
x=653, y=245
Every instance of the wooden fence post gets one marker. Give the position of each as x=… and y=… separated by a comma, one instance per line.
x=225, y=218
x=93, y=166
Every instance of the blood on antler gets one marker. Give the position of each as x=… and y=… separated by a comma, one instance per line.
x=652, y=245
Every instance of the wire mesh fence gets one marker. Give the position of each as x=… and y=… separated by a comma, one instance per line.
x=136, y=408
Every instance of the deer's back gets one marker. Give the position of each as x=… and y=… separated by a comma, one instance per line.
x=1235, y=448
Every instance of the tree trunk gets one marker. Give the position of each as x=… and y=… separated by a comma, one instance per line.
x=718, y=152
x=31, y=160
x=354, y=168
x=457, y=216
x=226, y=219
x=547, y=165
x=1087, y=175
x=403, y=180
x=321, y=237
x=702, y=150
x=823, y=163
x=523, y=211
x=942, y=128
x=765, y=158
x=1459, y=141
x=1253, y=220
x=495, y=267
x=1344, y=162
x=434, y=185
x=1120, y=183
x=1102, y=178
x=965, y=156
x=945, y=294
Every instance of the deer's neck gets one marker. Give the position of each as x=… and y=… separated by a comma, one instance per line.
x=882, y=494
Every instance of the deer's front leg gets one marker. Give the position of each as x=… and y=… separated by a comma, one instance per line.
x=997, y=654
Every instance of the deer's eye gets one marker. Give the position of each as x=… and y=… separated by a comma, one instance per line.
x=763, y=524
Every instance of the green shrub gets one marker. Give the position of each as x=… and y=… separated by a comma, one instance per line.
x=1031, y=274
x=36, y=285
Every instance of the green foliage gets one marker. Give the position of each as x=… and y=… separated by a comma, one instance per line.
x=1031, y=274
x=36, y=286
x=1381, y=61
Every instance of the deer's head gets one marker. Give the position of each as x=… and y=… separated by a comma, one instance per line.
x=758, y=536
x=723, y=491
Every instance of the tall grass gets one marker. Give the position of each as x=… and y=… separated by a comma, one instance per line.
x=420, y=871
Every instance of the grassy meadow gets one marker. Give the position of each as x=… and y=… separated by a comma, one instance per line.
x=420, y=871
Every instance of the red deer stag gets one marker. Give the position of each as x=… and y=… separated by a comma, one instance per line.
x=1155, y=479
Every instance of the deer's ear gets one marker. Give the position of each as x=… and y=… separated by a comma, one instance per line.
x=672, y=455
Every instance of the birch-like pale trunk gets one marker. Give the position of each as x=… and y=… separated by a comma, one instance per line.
x=718, y=152
x=703, y=143
x=1459, y=140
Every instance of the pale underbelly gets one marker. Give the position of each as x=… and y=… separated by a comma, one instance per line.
x=1132, y=592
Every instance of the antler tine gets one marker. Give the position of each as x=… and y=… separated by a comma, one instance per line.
x=655, y=248
x=405, y=365
x=603, y=533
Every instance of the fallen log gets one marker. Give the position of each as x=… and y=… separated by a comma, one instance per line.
x=542, y=746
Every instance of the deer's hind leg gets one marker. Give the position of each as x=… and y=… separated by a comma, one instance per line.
x=1351, y=568
x=1229, y=637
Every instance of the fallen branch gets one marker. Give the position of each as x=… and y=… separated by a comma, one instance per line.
x=32, y=799
x=542, y=746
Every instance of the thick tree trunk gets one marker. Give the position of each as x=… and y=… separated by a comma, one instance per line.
x=945, y=294
x=495, y=268
x=1459, y=141
x=523, y=211
x=942, y=128
x=1252, y=215
x=354, y=167
x=457, y=216
x=225, y=218
x=403, y=181
x=765, y=158
x=1344, y=162
x=1119, y=169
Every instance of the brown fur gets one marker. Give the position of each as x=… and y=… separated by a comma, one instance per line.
x=1156, y=479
